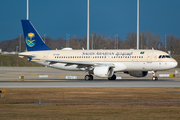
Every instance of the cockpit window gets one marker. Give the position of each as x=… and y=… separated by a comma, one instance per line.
x=168, y=56
x=164, y=56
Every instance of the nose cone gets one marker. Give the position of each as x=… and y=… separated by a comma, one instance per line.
x=174, y=64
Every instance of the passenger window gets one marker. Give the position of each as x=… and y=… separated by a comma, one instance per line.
x=163, y=56
x=160, y=56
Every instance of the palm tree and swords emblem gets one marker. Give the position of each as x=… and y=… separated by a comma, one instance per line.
x=29, y=39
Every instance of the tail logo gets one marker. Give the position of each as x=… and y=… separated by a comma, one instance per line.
x=29, y=39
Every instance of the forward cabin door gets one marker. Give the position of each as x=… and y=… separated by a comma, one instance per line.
x=149, y=57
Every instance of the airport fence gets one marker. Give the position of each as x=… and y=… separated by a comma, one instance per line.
x=18, y=63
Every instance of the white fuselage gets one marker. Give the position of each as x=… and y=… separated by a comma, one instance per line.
x=122, y=60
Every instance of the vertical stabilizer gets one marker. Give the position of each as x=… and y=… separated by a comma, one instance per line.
x=32, y=38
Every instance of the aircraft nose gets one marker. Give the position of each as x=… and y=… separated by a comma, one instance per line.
x=174, y=64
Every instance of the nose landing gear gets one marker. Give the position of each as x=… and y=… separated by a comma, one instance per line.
x=154, y=78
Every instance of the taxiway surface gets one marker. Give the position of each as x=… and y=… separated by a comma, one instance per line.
x=91, y=84
x=9, y=78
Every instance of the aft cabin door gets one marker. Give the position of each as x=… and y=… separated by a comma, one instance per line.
x=45, y=55
x=149, y=57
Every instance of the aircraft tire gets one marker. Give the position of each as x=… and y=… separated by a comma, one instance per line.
x=88, y=77
x=154, y=78
x=112, y=77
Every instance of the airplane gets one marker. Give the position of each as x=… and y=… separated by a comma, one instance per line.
x=100, y=63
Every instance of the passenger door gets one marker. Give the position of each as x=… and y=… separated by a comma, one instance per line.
x=149, y=57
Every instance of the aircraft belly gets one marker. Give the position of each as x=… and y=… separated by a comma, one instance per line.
x=141, y=66
x=119, y=67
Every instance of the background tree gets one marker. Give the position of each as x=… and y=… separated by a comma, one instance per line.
x=147, y=39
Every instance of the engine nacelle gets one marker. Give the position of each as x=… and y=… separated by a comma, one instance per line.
x=137, y=73
x=103, y=71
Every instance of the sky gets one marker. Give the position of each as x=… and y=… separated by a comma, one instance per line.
x=55, y=18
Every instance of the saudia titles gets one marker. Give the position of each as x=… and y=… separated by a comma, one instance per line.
x=29, y=40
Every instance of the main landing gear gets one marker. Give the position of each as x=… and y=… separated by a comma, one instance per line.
x=113, y=77
x=154, y=78
x=88, y=77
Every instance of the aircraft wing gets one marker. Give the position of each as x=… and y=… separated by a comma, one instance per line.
x=78, y=63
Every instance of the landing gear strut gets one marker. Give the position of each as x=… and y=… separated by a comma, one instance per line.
x=154, y=78
x=88, y=77
x=113, y=77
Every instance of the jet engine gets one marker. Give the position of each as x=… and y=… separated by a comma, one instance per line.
x=137, y=73
x=103, y=71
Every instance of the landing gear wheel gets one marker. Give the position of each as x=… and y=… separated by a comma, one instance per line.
x=88, y=77
x=91, y=77
x=154, y=78
x=112, y=77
